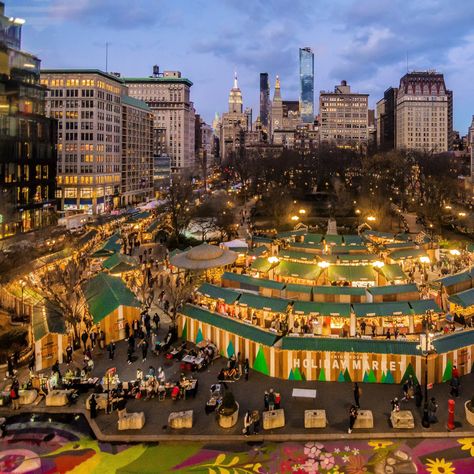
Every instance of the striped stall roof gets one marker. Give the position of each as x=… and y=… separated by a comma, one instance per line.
x=276, y=305
x=323, y=309
x=339, y=344
x=218, y=293
x=232, y=325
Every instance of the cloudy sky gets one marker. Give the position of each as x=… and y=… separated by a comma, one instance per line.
x=366, y=42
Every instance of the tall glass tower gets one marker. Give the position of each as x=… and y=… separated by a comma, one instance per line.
x=307, y=85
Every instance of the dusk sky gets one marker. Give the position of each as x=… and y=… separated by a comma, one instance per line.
x=365, y=42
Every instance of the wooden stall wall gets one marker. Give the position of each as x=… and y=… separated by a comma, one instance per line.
x=49, y=349
x=113, y=325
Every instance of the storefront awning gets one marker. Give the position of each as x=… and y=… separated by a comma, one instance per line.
x=370, y=310
x=218, y=293
x=322, y=309
x=275, y=305
x=463, y=299
x=351, y=273
x=304, y=271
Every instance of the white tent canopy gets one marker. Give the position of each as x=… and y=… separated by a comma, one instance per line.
x=237, y=243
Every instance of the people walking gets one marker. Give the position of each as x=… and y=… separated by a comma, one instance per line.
x=265, y=400
x=144, y=345
x=246, y=369
x=129, y=355
x=454, y=387
x=15, y=394
x=352, y=418
x=93, y=338
x=271, y=400
x=111, y=350
x=69, y=351
x=84, y=337
x=357, y=392
x=127, y=331
x=432, y=409
x=418, y=395
x=247, y=423
x=93, y=406
x=395, y=404
x=102, y=339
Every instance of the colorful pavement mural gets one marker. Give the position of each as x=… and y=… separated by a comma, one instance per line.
x=33, y=446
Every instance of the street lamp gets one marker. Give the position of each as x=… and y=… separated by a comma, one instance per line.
x=323, y=264
x=273, y=259
x=378, y=264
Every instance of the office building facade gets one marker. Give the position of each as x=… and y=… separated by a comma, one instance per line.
x=424, y=112
x=386, y=120
x=87, y=105
x=307, y=85
x=344, y=117
x=137, y=152
x=169, y=98
x=27, y=138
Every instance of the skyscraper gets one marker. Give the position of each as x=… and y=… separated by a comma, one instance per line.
x=264, y=99
x=307, y=85
x=27, y=138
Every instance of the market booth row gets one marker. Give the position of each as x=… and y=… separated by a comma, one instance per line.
x=111, y=304
x=328, y=358
x=49, y=335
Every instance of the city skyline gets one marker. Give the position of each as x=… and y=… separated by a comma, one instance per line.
x=365, y=43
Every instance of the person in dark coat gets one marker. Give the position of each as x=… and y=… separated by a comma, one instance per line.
x=69, y=351
x=129, y=355
x=84, y=337
x=246, y=369
x=111, y=349
x=454, y=387
x=131, y=342
x=93, y=406
x=418, y=395
x=127, y=331
x=10, y=368
x=144, y=345
x=352, y=418
x=357, y=395
x=102, y=339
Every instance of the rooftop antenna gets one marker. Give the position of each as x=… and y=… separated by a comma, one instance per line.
x=106, y=57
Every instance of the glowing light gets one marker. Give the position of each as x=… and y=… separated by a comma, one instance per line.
x=378, y=264
x=323, y=264
x=295, y=218
x=302, y=211
x=371, y=218
x=455, y=252
x=425, y=259
x=273, y=259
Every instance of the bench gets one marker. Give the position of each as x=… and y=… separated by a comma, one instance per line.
x=273, y=419
x=181, y=419
x=315, y=419
x=364, y=419
x=304, y=393
x=58, y=398
x=27, y=397
x=402, y=419
x=132, y=421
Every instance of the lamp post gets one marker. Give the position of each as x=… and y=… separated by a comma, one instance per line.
x=426, y=347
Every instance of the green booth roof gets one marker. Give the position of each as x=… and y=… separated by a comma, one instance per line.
x=463, y=299
x=250, y=282
x=323, y=309
x=338, y=290
x=276, y=305
x=421, y=306
x=400, y=245
x=353, y=240
x=257, y=251
x=47, y=319
x=291, y=233
x=105, y=293
x=296, y=288
x=405, y=254
x=333, y=239
x=351, y=273
x=112, y=245
x=305, y=271
x=261, y=264
x=247, y=331
x=370, y=346
x=348, y=248
x=313, y=238
x=218, y=293
x=393, y=289
x=306, y=245
x=294, y=255
x=350, y=257
x=120, y=263
x=453, y=341
x=392, y=272
x=456, y=278
x=399, y=308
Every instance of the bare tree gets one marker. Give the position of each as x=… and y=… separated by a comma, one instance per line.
x=60, y=285
x=141, y=285
x=178, y=290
